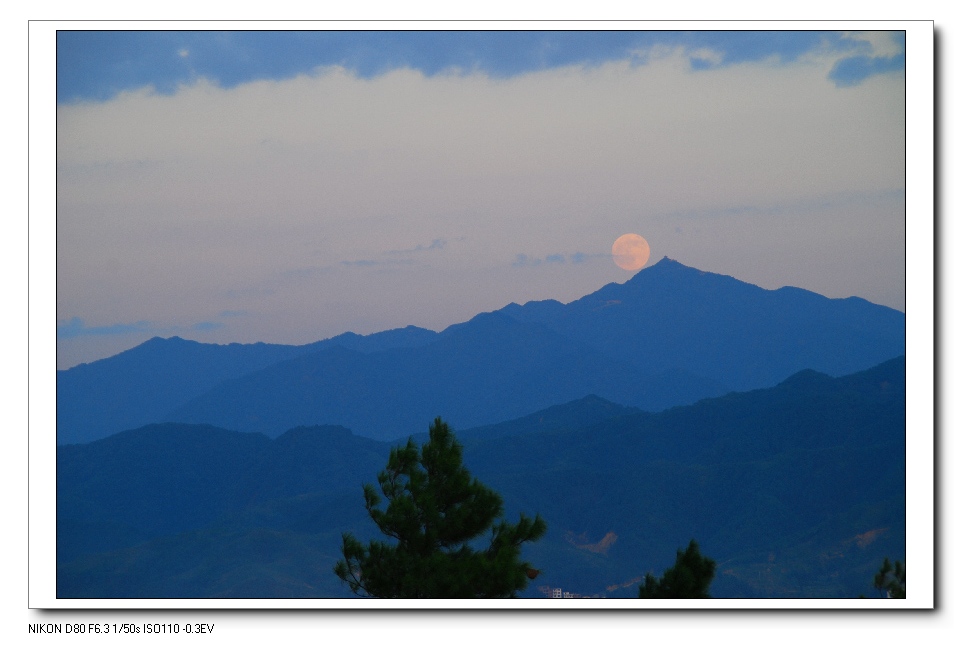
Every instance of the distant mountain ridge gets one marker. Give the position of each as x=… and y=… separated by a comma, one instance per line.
x=489, y=369
x=141, y=385
x=670, y=335
x=738, y=334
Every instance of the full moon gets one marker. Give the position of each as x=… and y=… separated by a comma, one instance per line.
x=630, y=251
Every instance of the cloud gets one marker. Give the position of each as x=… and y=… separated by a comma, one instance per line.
x=75, y=328
x=792, y=209
x=206, y=326
x=877, y=43
x=585, y=257
x=872, y=53
x=375, y=263
x=437, y=244
x=524, y=261
x=305, y=272
x=853, y=70
x=99, y=64
x=704, y=58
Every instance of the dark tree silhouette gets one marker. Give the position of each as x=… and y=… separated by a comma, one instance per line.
x=689, y=578
x=890, y=580
x=435, y=509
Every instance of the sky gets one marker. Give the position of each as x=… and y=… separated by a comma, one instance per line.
x=290, y=186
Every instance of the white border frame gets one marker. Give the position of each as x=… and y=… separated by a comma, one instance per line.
x=920, y=322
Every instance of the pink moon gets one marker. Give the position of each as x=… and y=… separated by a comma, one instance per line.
x=630, y=251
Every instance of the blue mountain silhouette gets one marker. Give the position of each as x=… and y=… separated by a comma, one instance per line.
x=797, y=490
x=669, y=336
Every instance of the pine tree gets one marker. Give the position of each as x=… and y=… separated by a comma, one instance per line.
x=435, y=509
x=689, y=578
x=890, y=581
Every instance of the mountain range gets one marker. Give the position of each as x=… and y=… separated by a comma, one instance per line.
x=669, y=336
x=769, y=425
x=797, y=490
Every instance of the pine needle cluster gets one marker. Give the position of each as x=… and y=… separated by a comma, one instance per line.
x=435, y=509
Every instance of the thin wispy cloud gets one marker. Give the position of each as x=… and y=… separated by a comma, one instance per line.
x=305, y=272
x=522, y=260
x=585, y=257
x=377, y=263
x=796, y=208
x=76, y=328
x=437, y=244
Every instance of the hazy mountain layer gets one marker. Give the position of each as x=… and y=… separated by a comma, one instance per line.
x=669, y=336
x=487, y=370
x=796, y=491
x=141, y=385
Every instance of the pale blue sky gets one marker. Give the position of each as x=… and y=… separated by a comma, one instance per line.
x=289, y=186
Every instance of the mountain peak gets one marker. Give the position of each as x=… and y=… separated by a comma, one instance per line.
x=159, y=341
x=667, y=261
x=667, y=264
x=666, y=272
